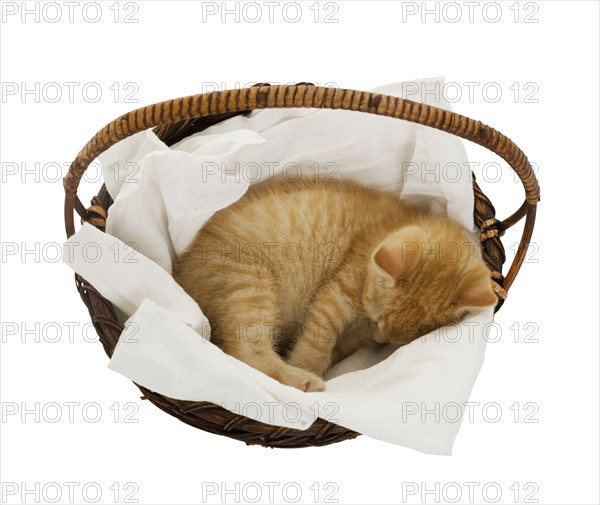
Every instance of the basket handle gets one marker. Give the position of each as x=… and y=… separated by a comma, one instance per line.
x=306, y=95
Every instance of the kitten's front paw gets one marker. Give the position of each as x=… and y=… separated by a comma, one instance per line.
x=301, y=379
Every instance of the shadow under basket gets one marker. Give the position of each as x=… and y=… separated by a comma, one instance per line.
x=176, y=119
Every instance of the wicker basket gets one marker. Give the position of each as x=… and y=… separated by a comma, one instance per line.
x=173, y=120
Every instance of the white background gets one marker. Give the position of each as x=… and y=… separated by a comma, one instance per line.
x=170, y=52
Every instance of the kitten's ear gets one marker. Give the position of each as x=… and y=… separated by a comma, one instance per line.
x=399, y=254
x=479, y=295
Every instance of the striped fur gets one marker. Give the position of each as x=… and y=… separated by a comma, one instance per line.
x=295, y=276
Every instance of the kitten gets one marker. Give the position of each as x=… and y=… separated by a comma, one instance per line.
x=295, y=276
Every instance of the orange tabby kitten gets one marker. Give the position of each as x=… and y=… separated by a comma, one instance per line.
x=295, y=276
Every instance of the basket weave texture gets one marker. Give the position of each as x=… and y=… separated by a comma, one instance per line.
x=176, y=119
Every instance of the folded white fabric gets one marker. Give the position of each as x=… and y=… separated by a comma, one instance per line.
x=414, y=398
x=164, y=195
x=127, y=278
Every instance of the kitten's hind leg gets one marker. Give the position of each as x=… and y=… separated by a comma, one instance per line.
x=328, y=315
x=247, y=330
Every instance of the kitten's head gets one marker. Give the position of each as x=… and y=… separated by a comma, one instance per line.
x=423, y=277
